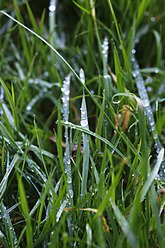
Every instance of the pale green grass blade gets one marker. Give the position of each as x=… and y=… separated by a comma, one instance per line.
x=124, y=226
x=52, y=25
x=84, y=124
x=11, y=102
x=65, y=110
x=148, y=111
x=89, y=235
x=153, y=174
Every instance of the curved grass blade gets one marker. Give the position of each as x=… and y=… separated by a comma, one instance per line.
x=148, y=111
x=87, y=131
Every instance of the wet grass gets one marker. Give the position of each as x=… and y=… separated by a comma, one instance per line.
x=82, y=124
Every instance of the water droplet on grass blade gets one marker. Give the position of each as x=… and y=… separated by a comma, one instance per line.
x=28, y=107
x=145, y=103
x=84, y=123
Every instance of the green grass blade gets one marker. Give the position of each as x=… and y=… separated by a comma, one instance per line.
x=153, y=174
x=125, y=226
x=40, y=147
x=23, y=40
x=4, y=181
x=84, y=124
x=9, y=229
x=157, y=217
x=4, y=240
x=25, y=209
x=100, y=122
x=11, y=102
x=121, y=42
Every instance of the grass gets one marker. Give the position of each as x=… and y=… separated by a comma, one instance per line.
x=82, y=124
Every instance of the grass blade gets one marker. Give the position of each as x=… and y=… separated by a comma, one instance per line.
x=153, y=174
x=25, y=209
x=84, y=124
x=124, y=226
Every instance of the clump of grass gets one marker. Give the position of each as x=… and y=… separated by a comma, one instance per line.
x=95, y=176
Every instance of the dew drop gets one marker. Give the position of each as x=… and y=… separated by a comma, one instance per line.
x=84, y=123
x=28, y=107
x=146, y=13
x=152, y=19
x=146, y=103
x=133, y=51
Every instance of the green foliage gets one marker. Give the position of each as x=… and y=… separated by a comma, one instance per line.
x=97, y=177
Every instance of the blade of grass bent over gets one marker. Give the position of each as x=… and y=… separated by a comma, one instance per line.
x=87, y=131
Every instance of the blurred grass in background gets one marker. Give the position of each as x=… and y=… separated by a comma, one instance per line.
x=93, y=176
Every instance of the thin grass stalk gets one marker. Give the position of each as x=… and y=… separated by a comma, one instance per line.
x=65, y=111
x=148, y=112
x=52, y=23
x=84, y=124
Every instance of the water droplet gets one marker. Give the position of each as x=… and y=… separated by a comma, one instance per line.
x=69, y=180
x=152, y=19
x=146, y=13
x=133, y=59
x=84, y=123
x=52, y=6
x=156, y=70
x=146, y=103
x=133, y=51
x=105, y=47
x=28, y=107
x=149, y=89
